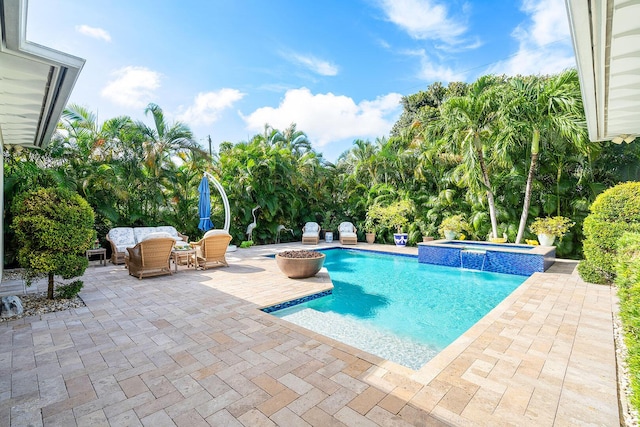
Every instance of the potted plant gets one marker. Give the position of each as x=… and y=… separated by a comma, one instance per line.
x=452, y=226
x=369, y=228
x=393, y=216
x=550, y=227
x=300, y=264
x=427, y=229
x=329, y=225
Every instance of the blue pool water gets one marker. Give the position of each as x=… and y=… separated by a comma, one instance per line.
x=397, y=308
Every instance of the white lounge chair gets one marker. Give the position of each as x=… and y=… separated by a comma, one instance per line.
x=348, y=234
x=311, y=233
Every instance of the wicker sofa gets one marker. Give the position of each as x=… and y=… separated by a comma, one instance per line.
x=121, y=238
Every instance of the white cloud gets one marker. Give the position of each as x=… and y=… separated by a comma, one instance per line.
x=544, y=41
x=317, y=65
x=96, y=33
x=424, y=19
x=550, y=21
x=207, y=106
x=132, y=86
x=327, y=118
x=431, y=71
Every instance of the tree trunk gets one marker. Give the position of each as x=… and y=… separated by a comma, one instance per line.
x=491, y=202
x=535, y=145
x=50, y=288
x=558, y=176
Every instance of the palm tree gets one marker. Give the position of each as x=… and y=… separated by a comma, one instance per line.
x=160, y=144
x=470, y=121
x=544, y=107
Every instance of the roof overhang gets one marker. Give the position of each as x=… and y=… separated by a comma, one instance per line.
x=35, y=81
x=606, y=40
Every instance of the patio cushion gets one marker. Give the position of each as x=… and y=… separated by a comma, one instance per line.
x=346, y=227
x=169, y=229
x=214, y=233
x=141, y=232
x=156, y=235
x=122, y=237
x=311, y=228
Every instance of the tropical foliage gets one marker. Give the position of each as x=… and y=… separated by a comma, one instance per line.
x=454, y=223
x=499, y=151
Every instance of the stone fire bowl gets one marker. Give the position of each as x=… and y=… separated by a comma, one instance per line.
x=300, y=268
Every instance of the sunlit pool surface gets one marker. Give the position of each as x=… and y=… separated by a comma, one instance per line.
x=399, y=309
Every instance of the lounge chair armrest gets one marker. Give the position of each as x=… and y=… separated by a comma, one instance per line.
x=184, y=237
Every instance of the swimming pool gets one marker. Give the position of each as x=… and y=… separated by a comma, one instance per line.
x=397, y=308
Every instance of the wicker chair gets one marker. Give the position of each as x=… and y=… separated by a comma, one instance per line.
x=211, y=249
x=311, y=233
x=150, y=257
x=348, y=234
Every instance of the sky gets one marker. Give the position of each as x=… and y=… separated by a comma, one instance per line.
x=336, y=68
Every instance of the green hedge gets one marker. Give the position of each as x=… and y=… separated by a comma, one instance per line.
x=614, y=212
x=628, y=282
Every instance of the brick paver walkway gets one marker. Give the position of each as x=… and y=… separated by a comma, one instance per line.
x=193, y=349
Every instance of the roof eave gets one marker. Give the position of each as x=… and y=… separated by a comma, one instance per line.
x=605, y=36
x=62, y=71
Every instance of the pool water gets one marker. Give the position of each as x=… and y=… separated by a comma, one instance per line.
x=399, y=309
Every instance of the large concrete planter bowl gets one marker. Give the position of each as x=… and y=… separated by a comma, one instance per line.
x=295, y=264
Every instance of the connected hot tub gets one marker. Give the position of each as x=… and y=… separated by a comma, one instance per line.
x=507, y=258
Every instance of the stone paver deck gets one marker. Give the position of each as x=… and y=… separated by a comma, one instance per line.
x=193, y=349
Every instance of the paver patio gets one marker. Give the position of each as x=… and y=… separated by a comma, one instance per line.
x=193, y=349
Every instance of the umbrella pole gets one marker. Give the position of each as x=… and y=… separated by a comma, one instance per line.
x=225, y=200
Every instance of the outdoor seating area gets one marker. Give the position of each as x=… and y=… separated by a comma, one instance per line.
x=121, y=238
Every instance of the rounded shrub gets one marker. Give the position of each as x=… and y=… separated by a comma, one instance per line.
x=614, y=212
x=54, y=228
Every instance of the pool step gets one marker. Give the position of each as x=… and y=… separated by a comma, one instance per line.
x=387, y=345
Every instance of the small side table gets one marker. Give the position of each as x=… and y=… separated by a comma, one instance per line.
x=102, y=253
x=181, y=255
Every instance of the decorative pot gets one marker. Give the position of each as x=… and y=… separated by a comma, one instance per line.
x=371, y=237
x=546, y=239
x=328, y=236
x=300, y=268
x=400, y=239
x=427, y=238
x=450, y=235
